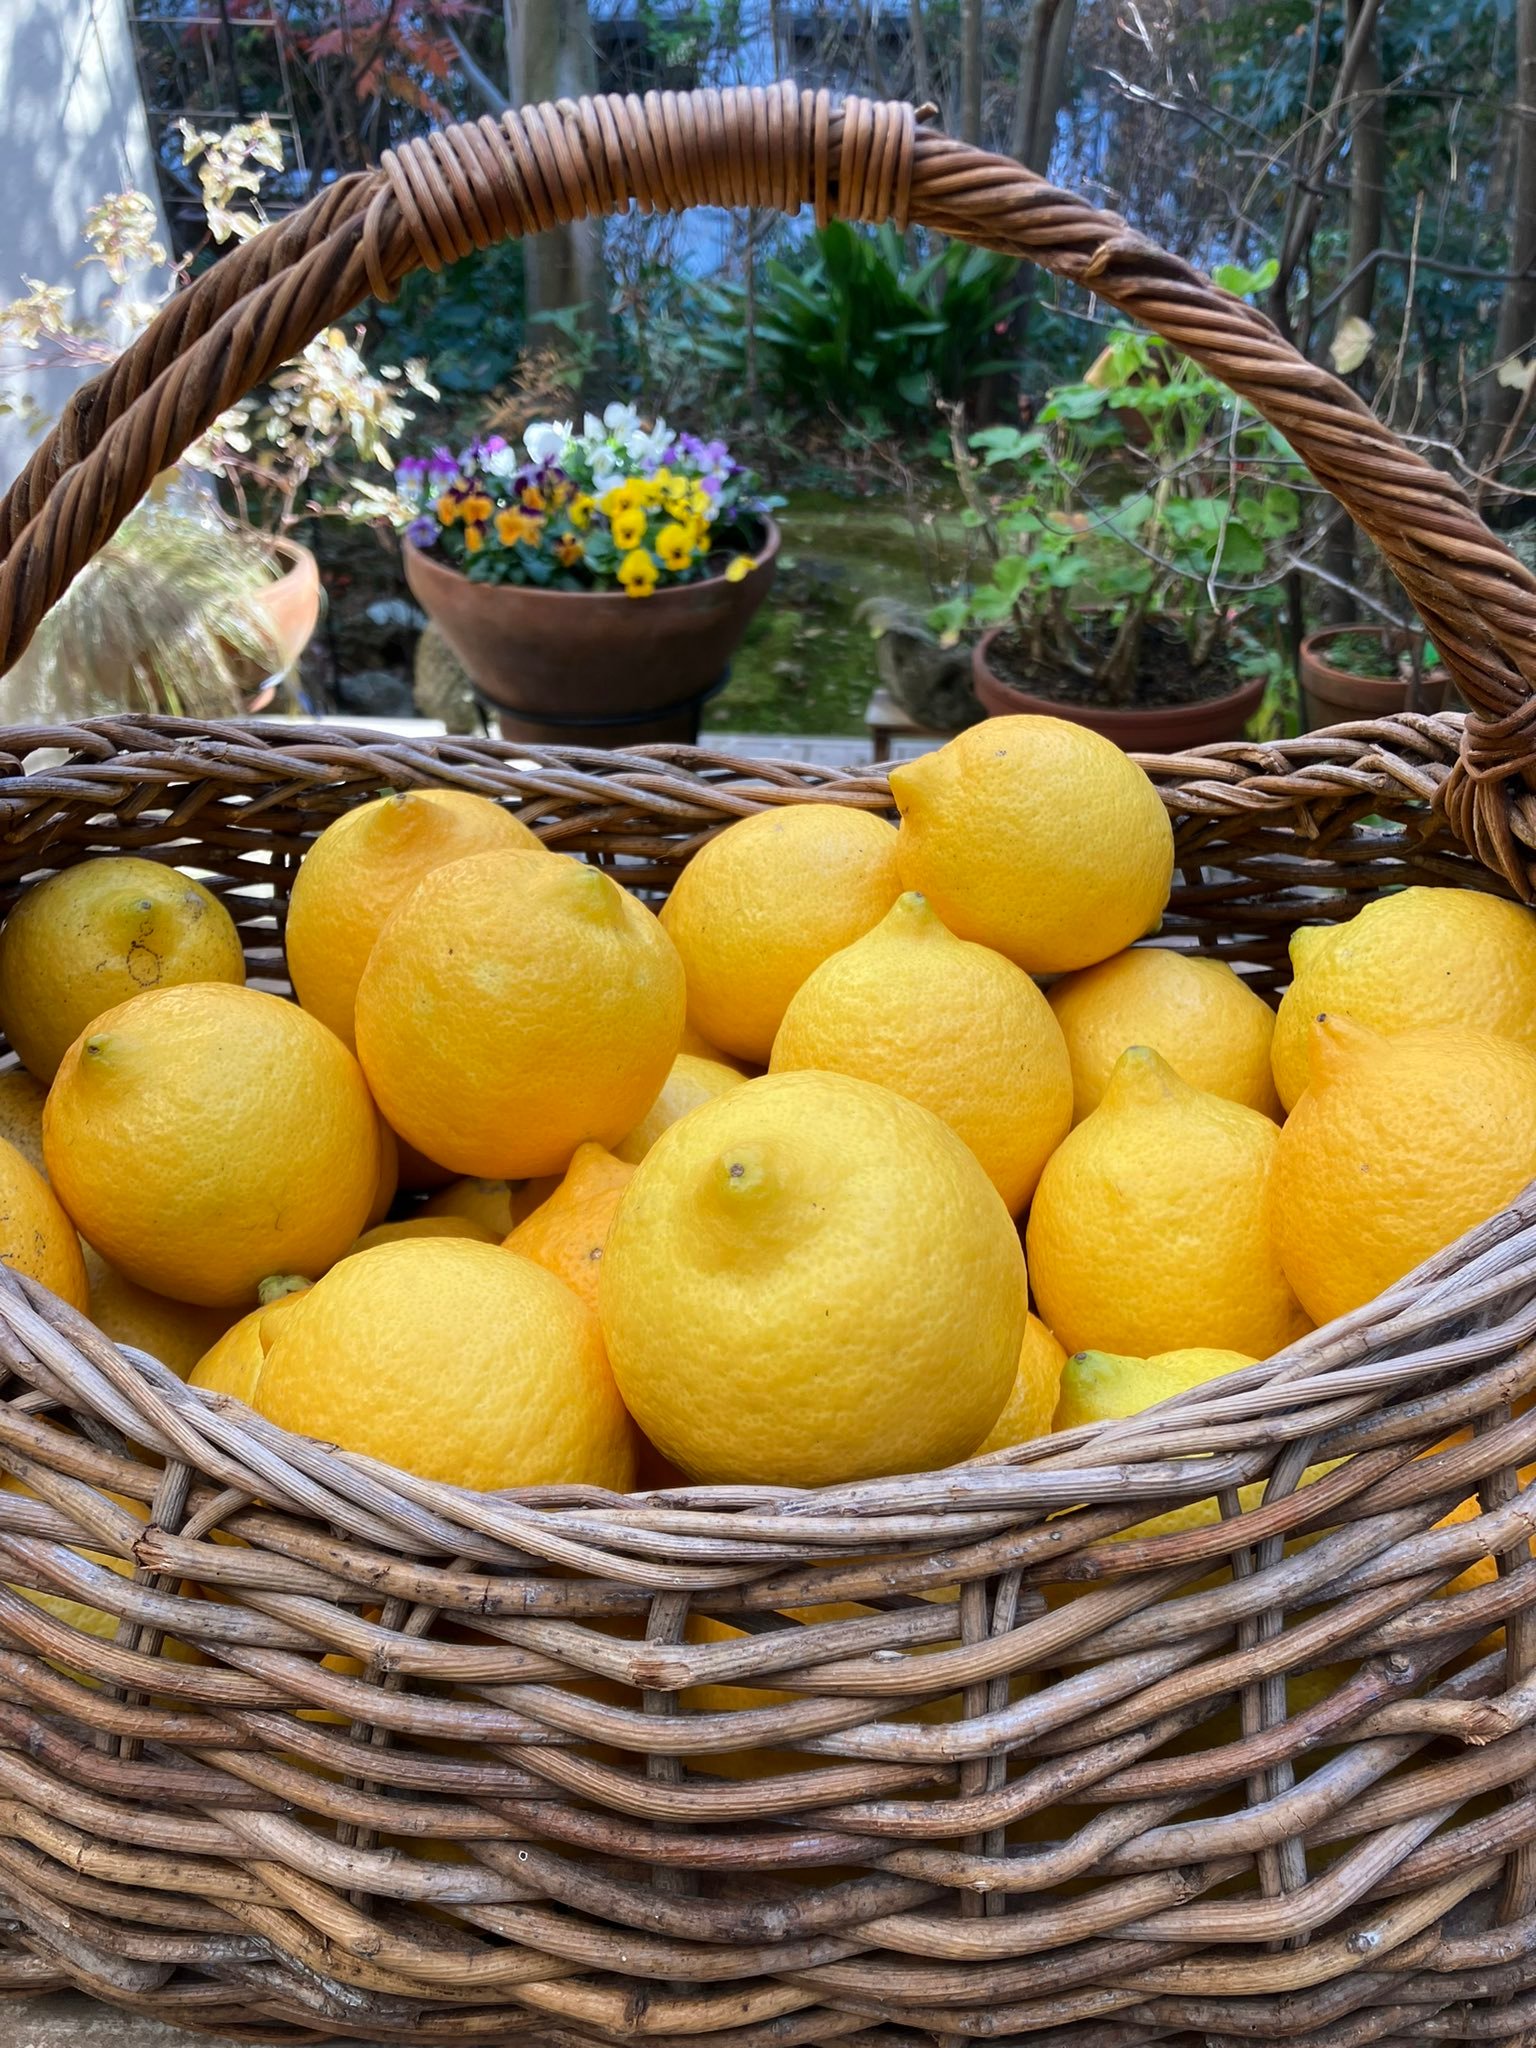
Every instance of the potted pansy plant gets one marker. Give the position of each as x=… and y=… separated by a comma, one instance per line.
x=594, y=582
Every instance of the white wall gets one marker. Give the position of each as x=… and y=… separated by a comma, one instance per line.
x=72, y=128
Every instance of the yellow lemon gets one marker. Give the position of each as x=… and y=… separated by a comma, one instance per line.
x=766, y=901
x=36, y=1237
x=517, y=1004
x=204, y=1137
x=456, y=1361
x=1151, y=1227
x=1397, y=1147
x=1099, y=1386
x=949, y=1024
x=696, y=1043
x=567, y=1233
x=1205, y=1021
x=524, y=1196
x=1103, y=1386
x=811, y=1280
x=362, y=868
x=86, y=940
x=425, y=1226
x=1037, y=837
x=487, y=1202
x=233, y=1364
x=691, y=1081
x=1417, y=957
x=21, y=1114
x=1029, y=1408
x=175, y=1332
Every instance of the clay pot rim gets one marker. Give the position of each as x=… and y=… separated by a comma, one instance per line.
x=765, y=557
x=296, y=552
x=1191, y=714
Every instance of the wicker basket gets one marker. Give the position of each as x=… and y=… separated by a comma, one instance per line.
x=498, y=1810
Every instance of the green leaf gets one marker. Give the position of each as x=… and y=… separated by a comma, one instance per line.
x=1246, y=284
x=1241, y=553
x=1074, y=402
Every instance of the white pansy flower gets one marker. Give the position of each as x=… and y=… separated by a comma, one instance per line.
x=605, y=464
x=643, y=447
x=621, y=420
x=546, y=440
x=592, y=428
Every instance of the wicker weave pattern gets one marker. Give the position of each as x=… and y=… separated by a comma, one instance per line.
x=510, y=1817
x=470, y=186
x=438, y=1770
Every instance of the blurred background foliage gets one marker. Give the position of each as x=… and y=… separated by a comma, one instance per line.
x=1367, y=174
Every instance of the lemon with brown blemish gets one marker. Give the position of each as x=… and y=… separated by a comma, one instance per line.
x=87, y=939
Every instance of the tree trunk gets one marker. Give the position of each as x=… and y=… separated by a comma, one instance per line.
x=1053, y=85
x=1367, y=178
x=922, y=85
x=1367, y=184
x=1042, y=81
x=550, y=57
x=970, y=70
x=1517, y=308
x=1304, y=200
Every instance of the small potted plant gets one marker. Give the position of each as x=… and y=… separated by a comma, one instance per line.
x=281, y=456
x=1130, y=574
x=173, y=614
x=594, y=583
x=1368, y=669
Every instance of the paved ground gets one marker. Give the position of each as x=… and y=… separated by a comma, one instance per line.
x=66, y=2020
x=821, y=753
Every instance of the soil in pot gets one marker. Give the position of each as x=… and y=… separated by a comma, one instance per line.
x=1165, y=675
x=1176, y=705
x=1364, y=654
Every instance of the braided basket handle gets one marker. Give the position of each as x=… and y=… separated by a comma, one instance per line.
x=441, y=197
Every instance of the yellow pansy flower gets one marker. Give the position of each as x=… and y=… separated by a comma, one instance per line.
x=637, y=573
x=619, y=498
x=628, y=528
x=580, y=514
x=478, y=507
x=675, y=547
x=474, y=537
x=448, y=510
x=568, y=550
x=738, y=570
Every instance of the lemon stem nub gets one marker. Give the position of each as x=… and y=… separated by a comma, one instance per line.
x=743, y=1174
x=276, y=1285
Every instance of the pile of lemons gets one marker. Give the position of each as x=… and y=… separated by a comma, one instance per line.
x=818, y=1175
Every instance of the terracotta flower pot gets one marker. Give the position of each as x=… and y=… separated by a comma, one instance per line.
x=1139, y=729
x=593, y=667
x=292, y=603
x=290, y=607
x=1338, y=696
